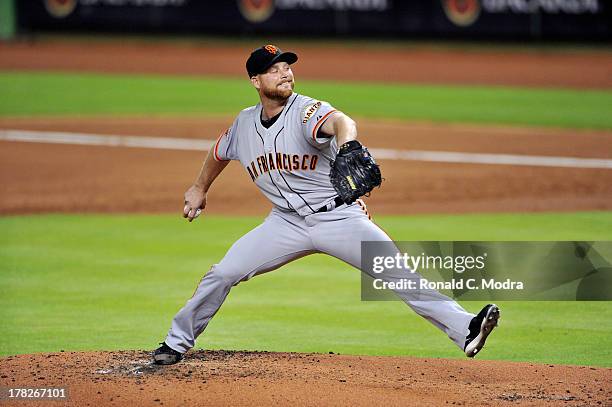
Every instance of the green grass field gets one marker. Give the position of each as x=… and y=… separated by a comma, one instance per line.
x=78, y=282
x=90, y=94
x=88, y=282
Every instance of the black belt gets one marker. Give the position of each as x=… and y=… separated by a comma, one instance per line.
x=326, y=208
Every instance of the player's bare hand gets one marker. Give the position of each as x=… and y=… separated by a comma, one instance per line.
x=195, y=202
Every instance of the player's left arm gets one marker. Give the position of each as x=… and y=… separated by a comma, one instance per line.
x=354, y=172
x=341, y=126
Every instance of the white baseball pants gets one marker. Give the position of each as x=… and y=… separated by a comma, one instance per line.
x=284, y=237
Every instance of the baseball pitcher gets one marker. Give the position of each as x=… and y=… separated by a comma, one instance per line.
x=305, y=158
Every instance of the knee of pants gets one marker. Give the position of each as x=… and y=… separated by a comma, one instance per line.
x=224, y=275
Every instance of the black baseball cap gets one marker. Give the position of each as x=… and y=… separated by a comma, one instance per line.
x=264, y=57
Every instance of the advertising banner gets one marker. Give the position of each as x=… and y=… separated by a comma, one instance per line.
x=495, y=19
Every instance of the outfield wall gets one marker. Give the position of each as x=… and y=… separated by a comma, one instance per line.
x=470, y=19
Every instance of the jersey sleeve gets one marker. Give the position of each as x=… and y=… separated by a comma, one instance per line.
x=314, y=114
x=226, y=148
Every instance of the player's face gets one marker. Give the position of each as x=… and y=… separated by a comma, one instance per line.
x=277, y=82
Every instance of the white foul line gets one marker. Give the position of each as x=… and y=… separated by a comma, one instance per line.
x=169, y=143
x=164, y=143
x=482, y=158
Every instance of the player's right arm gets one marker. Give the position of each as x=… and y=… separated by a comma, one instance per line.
x=218, y=157
x=195, y=197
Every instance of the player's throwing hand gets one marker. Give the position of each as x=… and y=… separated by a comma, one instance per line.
x=195, y=202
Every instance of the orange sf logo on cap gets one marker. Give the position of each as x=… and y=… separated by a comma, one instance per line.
x=271, y=49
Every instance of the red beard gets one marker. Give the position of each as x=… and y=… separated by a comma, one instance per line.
x=278, y=94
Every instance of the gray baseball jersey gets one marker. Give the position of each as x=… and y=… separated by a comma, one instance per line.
x=290, y=165
x=287, y=161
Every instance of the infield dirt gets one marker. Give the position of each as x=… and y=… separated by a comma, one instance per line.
x=416, y=64
x=262, y=378
x=67, y=178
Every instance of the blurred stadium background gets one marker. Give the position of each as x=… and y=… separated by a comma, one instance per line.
x=478, y=19
x=492, y=120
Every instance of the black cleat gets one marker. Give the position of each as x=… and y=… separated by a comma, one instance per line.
x=480, y=327
x=165, y=355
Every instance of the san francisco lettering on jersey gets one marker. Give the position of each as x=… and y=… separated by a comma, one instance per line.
x=281, y=162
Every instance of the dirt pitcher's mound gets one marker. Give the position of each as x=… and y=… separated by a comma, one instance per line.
x=262, y=378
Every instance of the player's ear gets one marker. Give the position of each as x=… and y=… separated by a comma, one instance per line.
x=255, y=82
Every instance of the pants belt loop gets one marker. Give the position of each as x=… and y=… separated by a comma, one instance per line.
x=331, y=205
